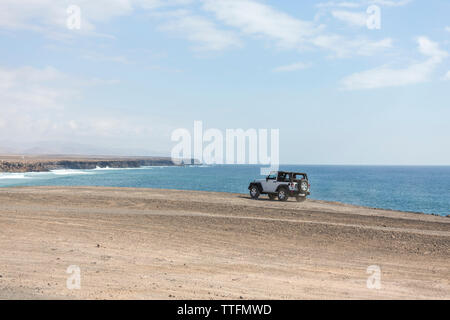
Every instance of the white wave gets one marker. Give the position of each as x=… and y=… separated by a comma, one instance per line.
x=161, y=167
x=108, y=168
x=37, y=174
x=105, y=168
x=68, y=172
x=12, y=176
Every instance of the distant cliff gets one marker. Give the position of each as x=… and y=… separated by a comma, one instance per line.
x=39, y=165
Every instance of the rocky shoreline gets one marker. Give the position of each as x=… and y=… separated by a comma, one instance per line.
x=43, y=165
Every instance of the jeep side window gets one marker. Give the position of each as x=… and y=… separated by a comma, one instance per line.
x=271, y=177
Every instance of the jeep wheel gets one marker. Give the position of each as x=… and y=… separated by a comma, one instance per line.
x=254, y=192
x=303, y=186
x=283, y=194
x=300, y=198
x=272, y=196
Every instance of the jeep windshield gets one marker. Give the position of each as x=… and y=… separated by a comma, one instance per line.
x=272, y=176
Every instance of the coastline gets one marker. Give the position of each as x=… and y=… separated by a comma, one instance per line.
x=16, y=167
x=381, y=209
x=134, y=243
x=19, y=164
x=99, y=163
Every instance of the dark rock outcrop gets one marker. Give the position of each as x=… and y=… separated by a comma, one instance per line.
x=47, y=165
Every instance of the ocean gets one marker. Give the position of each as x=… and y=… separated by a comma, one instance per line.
x=407, y=188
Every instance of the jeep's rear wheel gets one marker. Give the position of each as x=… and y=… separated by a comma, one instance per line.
x=283, y=194
x=272, y=196
x=254, y=192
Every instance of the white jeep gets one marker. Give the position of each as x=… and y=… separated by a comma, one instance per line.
x=281, y=184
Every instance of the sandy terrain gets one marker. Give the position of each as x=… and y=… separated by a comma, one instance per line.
x=161, y=244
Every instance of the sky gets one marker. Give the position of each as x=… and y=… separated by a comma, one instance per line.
x=341, y=88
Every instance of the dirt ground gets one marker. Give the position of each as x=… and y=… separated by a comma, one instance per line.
x=168, y=244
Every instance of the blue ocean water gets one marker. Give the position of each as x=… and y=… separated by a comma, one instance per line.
x=407, y=188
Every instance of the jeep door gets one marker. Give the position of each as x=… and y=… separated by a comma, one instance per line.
x=270, y=185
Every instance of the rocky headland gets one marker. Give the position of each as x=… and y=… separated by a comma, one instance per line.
x=42, y=164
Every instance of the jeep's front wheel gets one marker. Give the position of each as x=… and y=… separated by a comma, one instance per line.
x=283, y=194
x=254, y=192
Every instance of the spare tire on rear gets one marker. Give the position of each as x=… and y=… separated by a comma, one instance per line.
x=303, y=186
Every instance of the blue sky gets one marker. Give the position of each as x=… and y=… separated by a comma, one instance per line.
x=339, y=92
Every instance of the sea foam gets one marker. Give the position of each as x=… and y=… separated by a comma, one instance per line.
x=12, y=176
x=68, y=172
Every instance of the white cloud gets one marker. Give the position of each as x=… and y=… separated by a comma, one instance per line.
x=34, y=103
x=250, y=17
x=357, y=18
x=351, y=18
x=344, y=47
x=388, y=77
x=44, y=15
x=447, y=29
x=200, y=30
x=358, y=4
x=28, y=88
x=50, y=17
x=257, y=19
x=390, y=3
x=431, y=49
x=447, y=76
x=339, y=4
x=44, y=104
x=260, y=20
x=292, y=67
x=29, y=97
